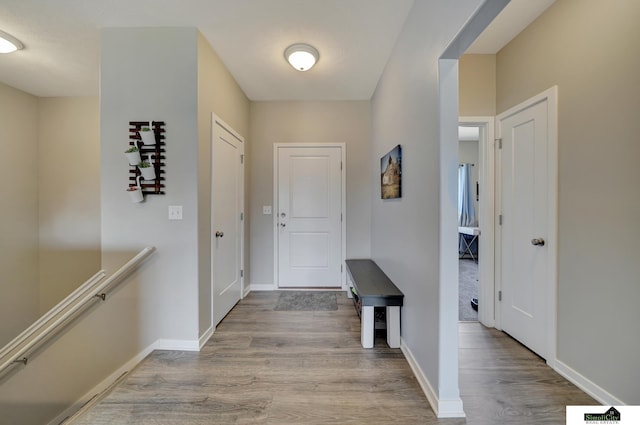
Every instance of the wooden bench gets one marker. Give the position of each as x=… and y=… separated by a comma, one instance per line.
x=374, y=289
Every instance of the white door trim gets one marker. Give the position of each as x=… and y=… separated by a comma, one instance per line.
x=217, y=120
x=551, y=96
x=486, y=244
x=343, y=201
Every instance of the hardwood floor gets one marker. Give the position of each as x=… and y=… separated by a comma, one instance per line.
x=289, y=367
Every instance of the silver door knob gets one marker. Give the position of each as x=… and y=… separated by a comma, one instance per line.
x=537, y=242
x=219, y=234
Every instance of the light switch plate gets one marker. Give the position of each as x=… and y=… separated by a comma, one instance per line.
x=175, y=212
x=266, y=209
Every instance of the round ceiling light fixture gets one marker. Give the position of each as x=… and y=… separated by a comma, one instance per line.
x=9, y=43
x=301, y=56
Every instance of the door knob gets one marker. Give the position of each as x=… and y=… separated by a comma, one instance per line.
x=219, y=234
x=537, y=242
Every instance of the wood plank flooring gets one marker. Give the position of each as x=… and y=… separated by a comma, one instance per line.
x=288, y=367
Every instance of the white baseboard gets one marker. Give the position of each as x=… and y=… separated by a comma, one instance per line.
x=442, y=408
x=246, y=291
x=588, y=386
x=104, y=385
x=177, y=345
x=450, y=409
x=261, y=287
x=205, y=337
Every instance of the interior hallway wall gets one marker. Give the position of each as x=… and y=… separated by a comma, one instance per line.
x=308, y=122
x=406, y=232
x=69, y=195
x=18, y=211
x=151, y=74
x=477, y=85
x=588, y=48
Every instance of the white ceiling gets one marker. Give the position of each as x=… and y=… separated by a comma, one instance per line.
x=354, y=37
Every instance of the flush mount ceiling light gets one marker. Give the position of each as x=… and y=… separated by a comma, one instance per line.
x=9, y=43
x=301, y=56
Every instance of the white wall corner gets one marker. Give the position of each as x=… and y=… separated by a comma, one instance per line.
x=449, y=402
x=586, y=385
x=442, y=408
x=205, y=337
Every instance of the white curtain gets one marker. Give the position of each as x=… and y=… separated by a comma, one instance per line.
x=466, y=210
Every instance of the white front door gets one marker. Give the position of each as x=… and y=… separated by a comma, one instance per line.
x=309, y=217
x=525, y=231
x=227, y=217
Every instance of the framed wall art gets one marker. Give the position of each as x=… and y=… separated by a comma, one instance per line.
x=391, y=174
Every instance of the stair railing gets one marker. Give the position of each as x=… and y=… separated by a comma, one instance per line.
x=21, y=347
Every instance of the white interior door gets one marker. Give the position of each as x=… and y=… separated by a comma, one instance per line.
x=525, y=229
x=309, y=217
x=227, y=217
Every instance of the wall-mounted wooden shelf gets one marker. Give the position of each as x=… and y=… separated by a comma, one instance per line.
x=156, y=186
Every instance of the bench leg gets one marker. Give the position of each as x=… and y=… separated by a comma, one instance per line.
x=393, y=326
x=367, y=326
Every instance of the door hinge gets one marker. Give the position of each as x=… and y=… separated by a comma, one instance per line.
x=500, y=220
x=341, y=217
x=340, y=165
x=499, y=295
x=340, y=268
x=242, y=159
x=241, y=273
x=241, y=216
x=499, y=141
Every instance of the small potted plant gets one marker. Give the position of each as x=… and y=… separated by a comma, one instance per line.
x=133, y=155
x=135, y=192
x=147, y=170
x=147, y=136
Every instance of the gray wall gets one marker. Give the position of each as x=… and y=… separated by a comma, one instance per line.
x=589, y=49
x=150, y=74
x=308, y=122
x=405, y=232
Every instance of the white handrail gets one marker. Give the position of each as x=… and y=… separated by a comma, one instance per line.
x=27, y=333
x=57, y=319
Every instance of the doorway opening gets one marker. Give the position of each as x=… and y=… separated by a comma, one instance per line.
x=468, y=222
x=476, y=234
